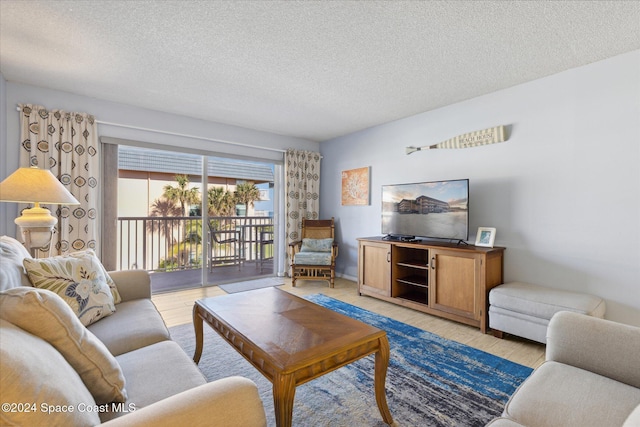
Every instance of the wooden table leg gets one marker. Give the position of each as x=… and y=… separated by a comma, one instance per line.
x=197, y=326
x=284, y=390
x=381, y=364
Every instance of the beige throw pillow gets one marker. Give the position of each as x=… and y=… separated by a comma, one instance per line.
x=45, y=315
x=33, y=374
x=80, y=279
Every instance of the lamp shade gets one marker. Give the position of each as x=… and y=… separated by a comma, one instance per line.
x=33, y=185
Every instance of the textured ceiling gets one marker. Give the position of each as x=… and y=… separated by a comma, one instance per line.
x=315, y=70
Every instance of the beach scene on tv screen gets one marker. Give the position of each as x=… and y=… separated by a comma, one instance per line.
x=434, y=209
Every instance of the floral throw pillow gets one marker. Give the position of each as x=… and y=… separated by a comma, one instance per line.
x=81, y=281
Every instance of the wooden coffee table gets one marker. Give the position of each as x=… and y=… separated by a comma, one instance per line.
x=291, y=341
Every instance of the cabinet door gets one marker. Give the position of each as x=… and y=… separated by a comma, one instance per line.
x=374, y=269
x=455, y=282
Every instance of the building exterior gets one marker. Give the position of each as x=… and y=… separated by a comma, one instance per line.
x=143, y=174
x=428, y=205
x=422, y=205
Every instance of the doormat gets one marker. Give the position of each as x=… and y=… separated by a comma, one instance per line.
x=249, y=285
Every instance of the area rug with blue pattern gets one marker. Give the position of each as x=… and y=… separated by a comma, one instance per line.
x=431, y=381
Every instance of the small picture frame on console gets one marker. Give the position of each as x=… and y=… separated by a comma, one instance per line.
x=486, y=236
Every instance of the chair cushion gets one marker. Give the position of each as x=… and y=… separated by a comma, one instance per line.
x=312, y=258
x=45, y=315
x=558, y=394
x=33, y=374
x=156, y=372
x=316, y=245
x=80, y=279
x=136, y=324
x=12, y=272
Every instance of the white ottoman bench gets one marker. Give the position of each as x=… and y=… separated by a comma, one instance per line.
x=524, y=309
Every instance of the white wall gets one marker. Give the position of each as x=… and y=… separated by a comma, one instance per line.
x=563, y=191
x=13, y=94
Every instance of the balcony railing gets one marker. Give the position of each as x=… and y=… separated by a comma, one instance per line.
x=175, y=243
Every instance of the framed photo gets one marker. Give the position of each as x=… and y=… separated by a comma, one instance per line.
x=355, y=186
x=486, y=236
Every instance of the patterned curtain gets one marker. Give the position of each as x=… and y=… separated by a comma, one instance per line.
x=302, y=186
x=67, y=145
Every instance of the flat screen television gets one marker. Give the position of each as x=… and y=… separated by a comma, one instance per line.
x=437, y=209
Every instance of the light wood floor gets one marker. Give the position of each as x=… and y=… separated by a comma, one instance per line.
x=176, y=307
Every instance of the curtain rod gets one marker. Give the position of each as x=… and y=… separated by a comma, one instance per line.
x=240, y=144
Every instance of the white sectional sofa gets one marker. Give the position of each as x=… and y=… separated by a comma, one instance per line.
x=123, y=369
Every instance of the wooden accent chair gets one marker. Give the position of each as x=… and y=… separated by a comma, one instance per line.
x=314, y=256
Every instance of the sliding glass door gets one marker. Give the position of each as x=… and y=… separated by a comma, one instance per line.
x=240, y=213
x=193, y=220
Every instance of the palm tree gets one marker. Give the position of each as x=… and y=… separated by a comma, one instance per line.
x=163, y=207
x=182, y=194
x=246, y=194
x=220, y=202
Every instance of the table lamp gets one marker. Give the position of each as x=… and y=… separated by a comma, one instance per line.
x=33, y=185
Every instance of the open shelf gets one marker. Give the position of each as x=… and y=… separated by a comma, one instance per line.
x=414, y=280
x=420, y=264
x=415, y=296
x=411, y=273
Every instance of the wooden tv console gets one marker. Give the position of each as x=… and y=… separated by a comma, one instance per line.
x=442, y=279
